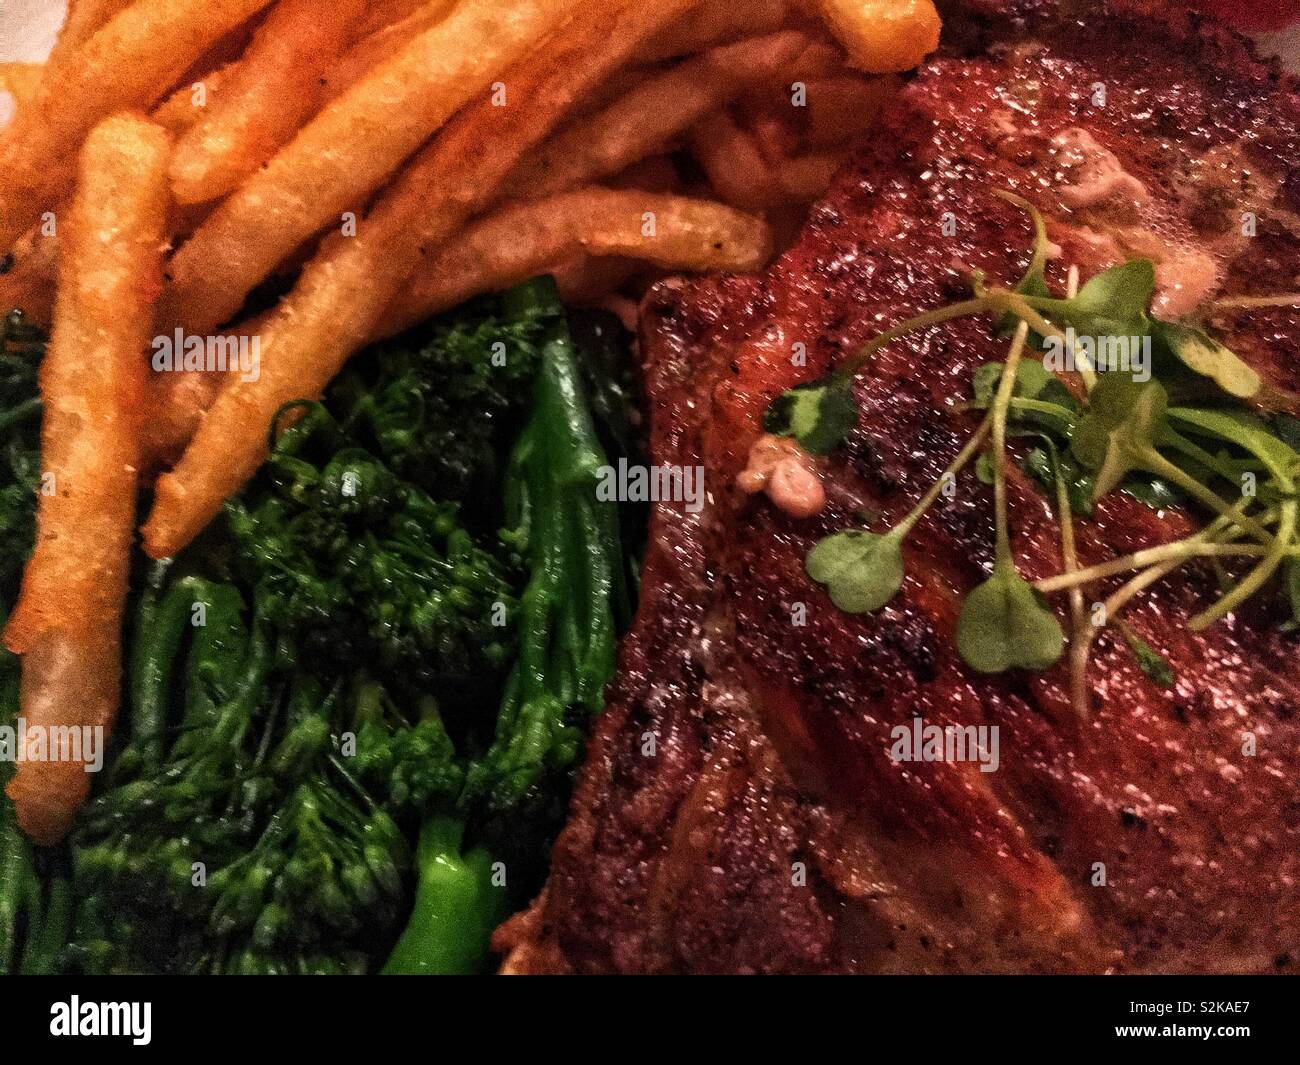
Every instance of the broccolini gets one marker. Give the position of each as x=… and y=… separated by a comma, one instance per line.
x=354, y=706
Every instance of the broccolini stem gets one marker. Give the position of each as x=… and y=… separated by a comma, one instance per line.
x=47, y=937
x=15, y=867
x=161, y=621
x=217, y=644
x=456, y=906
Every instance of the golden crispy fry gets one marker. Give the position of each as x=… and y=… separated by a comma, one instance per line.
x=265, y=98
x=884, y=36
x=19, y=80
x=130, y=62
x=653, y=114
x=175, y=402
x=191, y=101
x=716, y=22
x=29, y=283
x=734, y=163
x=777, y=132
x=520, y=240
x=68, y=618
x=346, y=152
x=376, y=47
x=340, y=298
x=85, y=18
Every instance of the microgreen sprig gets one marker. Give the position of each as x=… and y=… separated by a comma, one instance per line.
x=1116, y=432
x=1004, y=622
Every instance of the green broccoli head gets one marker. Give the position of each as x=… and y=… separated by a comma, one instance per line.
x=441, y=403
x=366, y=571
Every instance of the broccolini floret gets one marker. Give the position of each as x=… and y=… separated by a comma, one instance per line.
x=441, y=403
x=368, y=570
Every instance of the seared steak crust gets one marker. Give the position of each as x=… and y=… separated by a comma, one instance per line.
x=739, y=810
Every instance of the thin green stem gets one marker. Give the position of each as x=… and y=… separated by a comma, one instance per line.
x=1180, y=549
x=1039, y=260
x=1194, y=450
x=1256, y=578
x=1287, y=299
x=1156, y=463
x=963, y=457
x=1022, y=308
x=920, y=321
x=999, y=444
x=1079, y=639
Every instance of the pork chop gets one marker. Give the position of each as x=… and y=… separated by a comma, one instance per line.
x=739, y=810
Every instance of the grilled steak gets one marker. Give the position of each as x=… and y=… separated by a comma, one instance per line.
x=739, y=810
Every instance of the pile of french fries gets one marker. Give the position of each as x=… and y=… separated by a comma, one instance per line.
x=384, y=159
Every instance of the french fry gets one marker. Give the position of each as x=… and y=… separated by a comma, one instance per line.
x=264, y=99
x=85, y=18
x=68, y=619
x=176, y=401
x=376, y=47
x=649, y=117
x=128, y=63
x=884, y=36
x=341, y=296
x=777, y=132
x=519, y=240
x=716, y=22
x=734, y=163
x=346, y=152
x=187, y=104
x=19, y=80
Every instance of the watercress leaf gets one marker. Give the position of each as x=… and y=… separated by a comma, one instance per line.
x=1038, y=464
x=1005, y=624
x=1116, y=300
x=1200, y=352
x=1032, y=379
x=984, y=382
x=1240, y=430
x=819, y=414
x=1124, y=420
x=1131, y=440
x=984, y=468
x=1149, y=660
x=1112, y=303
x=862, y=570
x=1047, y=463
x=1056, y=393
